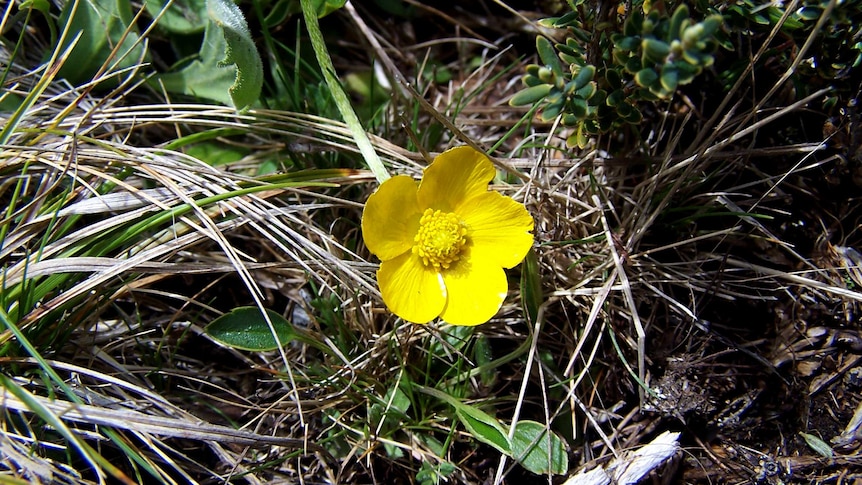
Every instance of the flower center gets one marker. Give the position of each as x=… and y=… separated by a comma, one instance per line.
x=440, y=239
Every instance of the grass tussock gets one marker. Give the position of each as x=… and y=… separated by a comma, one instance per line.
x=696, y=273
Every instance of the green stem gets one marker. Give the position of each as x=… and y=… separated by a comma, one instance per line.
x=338, y=94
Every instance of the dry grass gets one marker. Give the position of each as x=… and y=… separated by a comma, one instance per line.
x=698, y=274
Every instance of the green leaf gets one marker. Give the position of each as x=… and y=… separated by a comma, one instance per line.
x=545, y=75
x=676, y=22
x=627, y=43
x=692, y=35
x=435, y=474
x=530, y=95
x=633, y=65
x=548, y=55
x=818, y=445
x=633, y=115
x=646, y=77
x=694, y=57
x=538, y=449
x=669, y=78
x=711, y=25
x=531, y=286
x=633, y=24
x=532, y=81
x=808, y=13
x=587, y=92
x=480, y=424
x=578, y=107
x=484, y=427
x=654, y=51
x=585, y=75
x=245, y=328
x=102, y=24
x=40, y=5
x=614, y=79
x=203, y=78
x=182, y=17
x=551, y=111
x=240, y=51
x=215, y=154
x=616, y=97
x=578, y=138
x=206, y=76
x=388, y=413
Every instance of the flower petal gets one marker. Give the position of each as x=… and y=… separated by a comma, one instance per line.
x=410, y=290
x=454, y=176
x=391, y=218
x=498, y=228
x=476, y=288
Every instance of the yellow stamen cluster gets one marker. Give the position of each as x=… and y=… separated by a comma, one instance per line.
x=440, y=239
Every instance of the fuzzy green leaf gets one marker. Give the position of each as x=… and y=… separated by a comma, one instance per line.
x=203, y=78
x=569, y=19
x=206, y=77
x=245, y=328
x=240, y=52
x=538, y=449
x=691, y=56
x=692, y=35
x=531, y=81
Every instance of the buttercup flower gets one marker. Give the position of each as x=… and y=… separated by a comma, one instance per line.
x=443, y=242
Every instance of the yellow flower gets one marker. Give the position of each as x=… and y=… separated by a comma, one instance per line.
x=443, y=243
